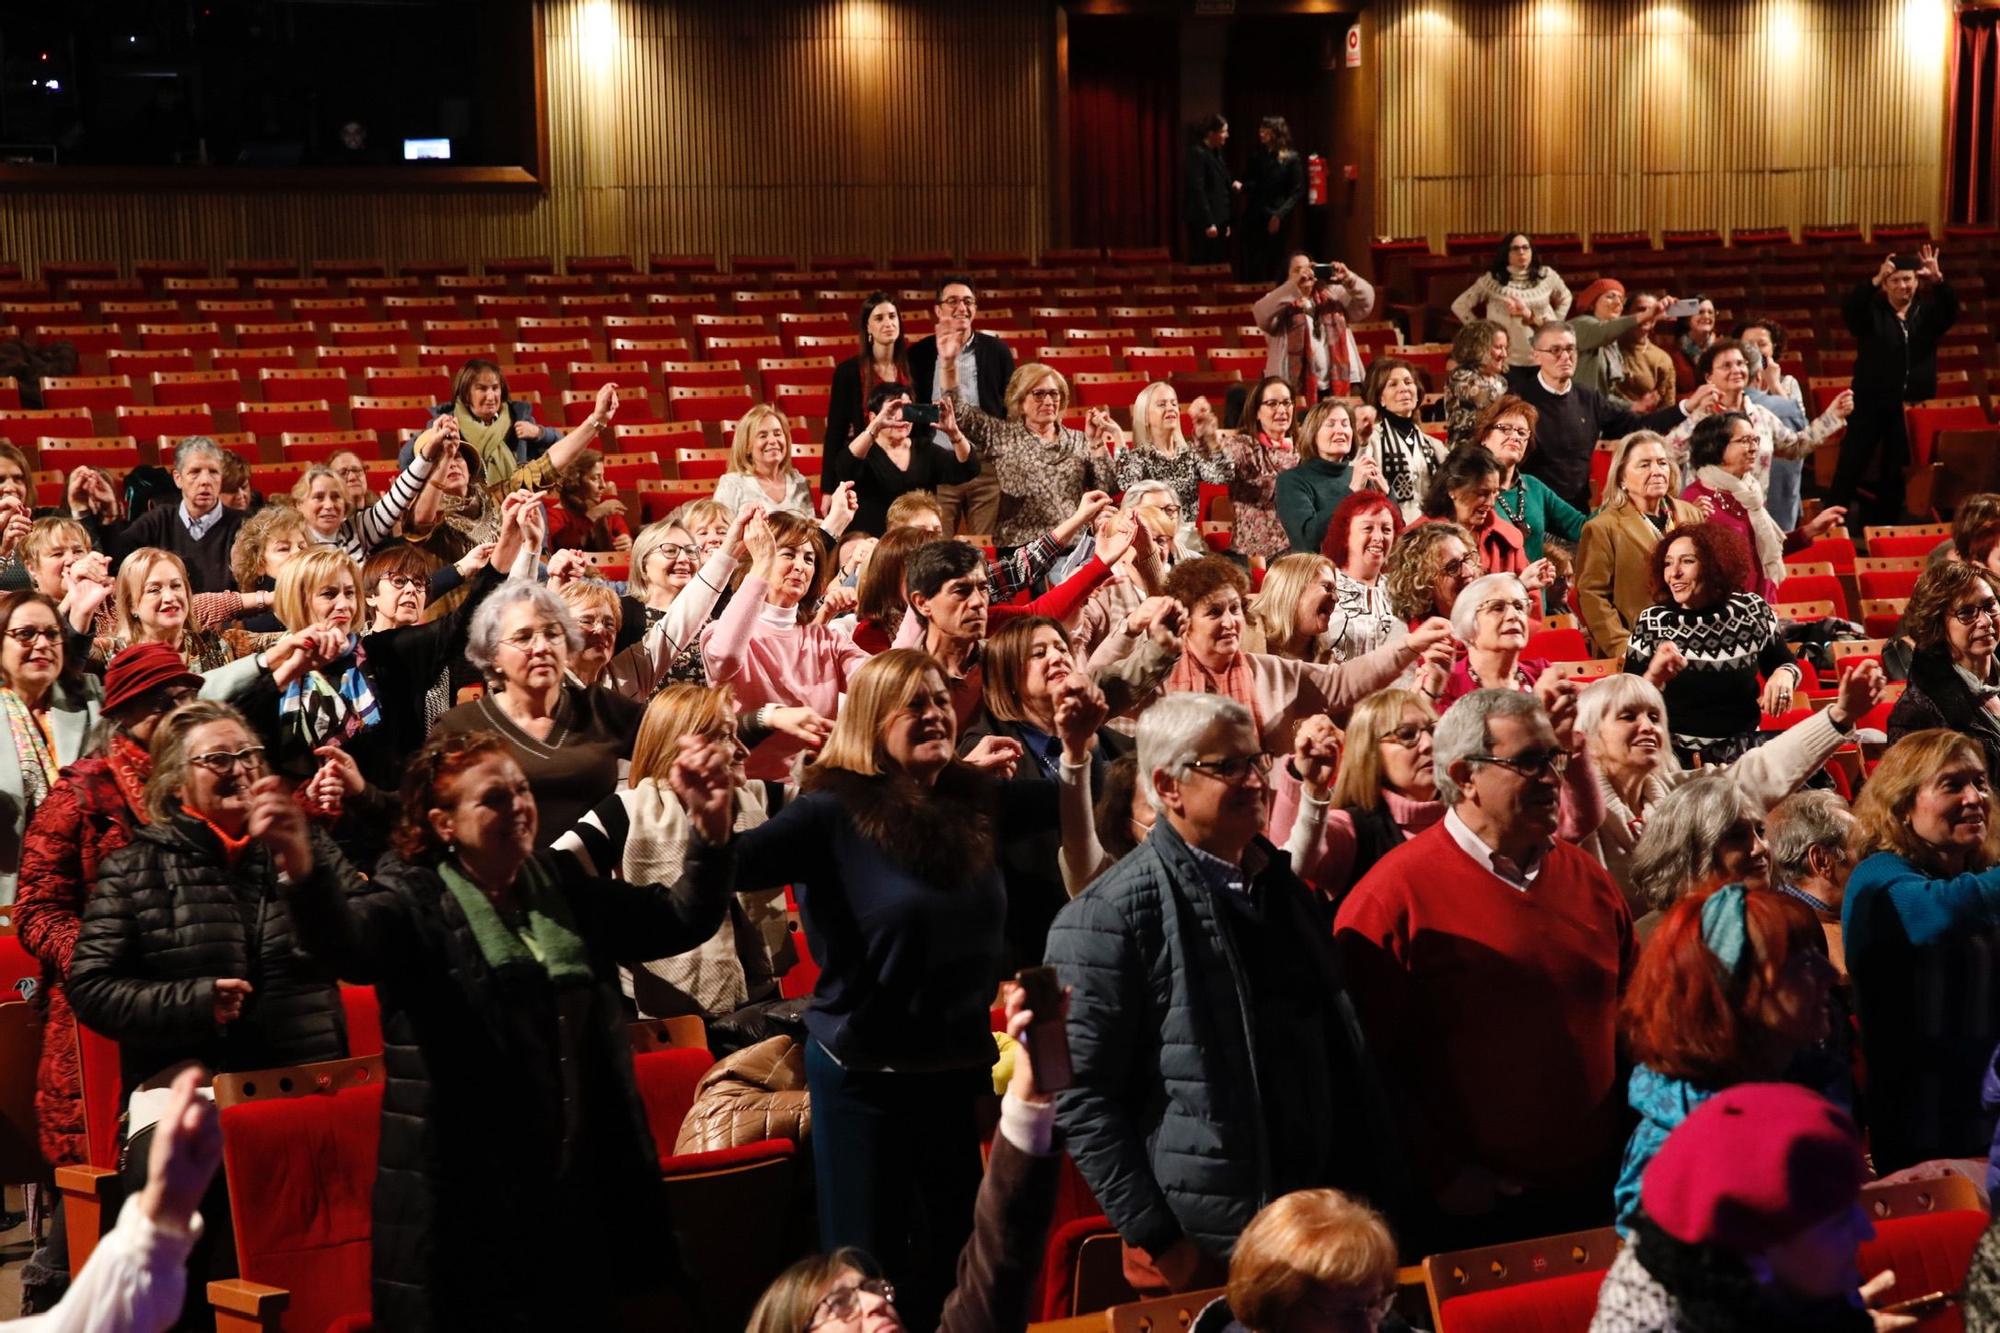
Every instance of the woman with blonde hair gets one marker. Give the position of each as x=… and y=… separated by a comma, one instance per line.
x=267, y=539
x=322, y=497
x=1290, y=614
x=640, y=834
x=152, y=604
x=1920, y=922
x=1614, y=556
x=761, y=470
x=1160, y=450
x=1044, y=466
x=897, y=836
x=1309, y=1259
x=1428, y=567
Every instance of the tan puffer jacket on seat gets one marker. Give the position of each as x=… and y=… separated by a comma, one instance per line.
x=757, y=1093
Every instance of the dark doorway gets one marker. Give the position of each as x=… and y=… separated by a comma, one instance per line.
x=1282, y=65
x=1125, y=141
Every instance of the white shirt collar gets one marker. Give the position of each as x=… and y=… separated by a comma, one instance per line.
x=1518, y=877
x=1544, y=381
x=198, y=527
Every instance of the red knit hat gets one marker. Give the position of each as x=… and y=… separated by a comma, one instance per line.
x=1754, y=1165
x=142, y=668
x=1586, y=300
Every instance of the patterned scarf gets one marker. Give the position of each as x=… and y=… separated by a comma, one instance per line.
x=31, y=748
x=1400, y=440
x=323, y=711
x=131, y=764
x=1192, y=677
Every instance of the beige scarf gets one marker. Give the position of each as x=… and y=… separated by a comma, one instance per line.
x=1764, y=530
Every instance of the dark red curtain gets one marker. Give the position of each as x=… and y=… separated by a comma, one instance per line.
x=1125, y=146
x=1975, y=130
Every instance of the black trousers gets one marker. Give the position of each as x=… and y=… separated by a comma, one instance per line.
x=1874, y=452
x=1205, y=249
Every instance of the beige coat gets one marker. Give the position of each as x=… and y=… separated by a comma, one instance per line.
x=1614, y=576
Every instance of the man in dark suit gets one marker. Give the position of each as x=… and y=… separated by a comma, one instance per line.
x=984, y=368
x=1574, y=418
x=1208, y=206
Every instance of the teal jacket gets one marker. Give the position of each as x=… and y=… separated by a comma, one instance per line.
x=1541, y=511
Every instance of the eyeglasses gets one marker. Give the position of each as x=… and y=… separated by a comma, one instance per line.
x=1169, y=508
x=959, y=302
x=405, y=582
x=1501, y=606
x=844, y=1303
x=678, y=551
x=1236, y=769
x=1276, y=402
x=1465, y=564
x=224, y=762
x=1410, y=734
x=351, y=471
x=1534, y=764
x=1046, y=395
x=525, y=641
x=26, y=636
x=1964, y=615
x=1559, y=351
x=1513, y=430
x=597, y=624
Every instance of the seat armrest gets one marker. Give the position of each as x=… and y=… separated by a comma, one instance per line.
x=247, y=1307
x=89, y=1200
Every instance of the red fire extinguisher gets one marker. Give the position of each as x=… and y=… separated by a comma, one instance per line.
x=1315, y=179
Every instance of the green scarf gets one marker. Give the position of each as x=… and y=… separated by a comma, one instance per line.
x=550, y=940
x=493, y=444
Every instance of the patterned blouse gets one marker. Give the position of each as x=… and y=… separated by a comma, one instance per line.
x=1040, y=480
x=1254, y=490
x=1362, y=619
x=1467, y=393
x=1185, y=471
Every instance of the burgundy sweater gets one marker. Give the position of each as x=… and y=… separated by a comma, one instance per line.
x=1494, y=1010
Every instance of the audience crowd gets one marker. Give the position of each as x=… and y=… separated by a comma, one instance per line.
x=1449, y=856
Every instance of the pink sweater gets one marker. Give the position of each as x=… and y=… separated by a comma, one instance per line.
x=768, y=658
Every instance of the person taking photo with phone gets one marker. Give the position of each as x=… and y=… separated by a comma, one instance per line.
x=1305, y=323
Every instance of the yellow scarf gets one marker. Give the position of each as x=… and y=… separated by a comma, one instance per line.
x=494, y=444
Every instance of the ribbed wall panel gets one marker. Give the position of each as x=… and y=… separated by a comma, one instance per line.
x=1616, y=115
x=791, y=127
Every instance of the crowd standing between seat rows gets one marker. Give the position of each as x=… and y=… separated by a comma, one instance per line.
x=1434, y=836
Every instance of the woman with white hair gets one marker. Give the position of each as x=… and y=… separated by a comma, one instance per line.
x=1624, y=722
x=1491, y=618
x=1161, y=452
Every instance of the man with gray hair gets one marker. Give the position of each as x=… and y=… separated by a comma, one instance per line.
x=201, y=529
x=1217, y=1060
x=1486, y=959
x=1574, y=417
x=1808, y=835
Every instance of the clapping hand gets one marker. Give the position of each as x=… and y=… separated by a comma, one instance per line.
x=15, y=521
x=1080, y=709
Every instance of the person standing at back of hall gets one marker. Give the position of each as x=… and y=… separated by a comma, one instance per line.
x=1897, y=317
x=1209, y=204
x=1273, y=189
x=984, y=367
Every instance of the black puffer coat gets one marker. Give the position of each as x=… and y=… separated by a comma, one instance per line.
x=169, y=916
x=487, y=1214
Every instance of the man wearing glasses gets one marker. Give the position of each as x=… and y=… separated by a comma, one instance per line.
x=983, y=370
x=1574, y=418
x=1217, y=1062
x=1487, y=959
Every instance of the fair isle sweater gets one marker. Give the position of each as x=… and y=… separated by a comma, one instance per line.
x=1546, y=298
x=1727, y=646
x=768, y=657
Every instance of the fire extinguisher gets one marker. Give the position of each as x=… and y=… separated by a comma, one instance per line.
x=1315, y=180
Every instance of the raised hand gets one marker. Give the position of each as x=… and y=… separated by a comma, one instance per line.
x=1162, y=618
x=1316, y=753
x=1842, y=405
x=14, y=524
x=567, y=566
x=1860, y=689
x=1538, y=575
x=1201, y=417
x=732, y=540
x=700, y=779
x=1115, y=532
x=1433, y=633
x=1080, y=709
x=278, y=823
x=840, y=508
x=1668, y=662
x=606, y=406
x=469, y=563
x=1927, y=263
x=1883, y=271
x=801, y=724
x=758, y=537
x=186, y=1151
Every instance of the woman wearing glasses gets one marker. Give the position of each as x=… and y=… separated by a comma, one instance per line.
x=1953, y=618
x=1258, y=450
x=49, y=709
x=1506, y=429
x=1725, y=638
x=186, y=952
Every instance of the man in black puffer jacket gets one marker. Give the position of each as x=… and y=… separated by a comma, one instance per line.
x=1218, y=1062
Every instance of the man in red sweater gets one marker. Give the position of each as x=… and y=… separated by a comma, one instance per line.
x=1486, y=960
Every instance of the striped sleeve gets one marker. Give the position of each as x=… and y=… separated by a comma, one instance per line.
x=597, y=840
x=371, y=527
